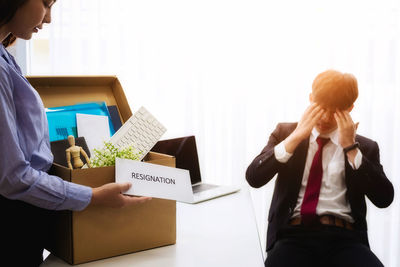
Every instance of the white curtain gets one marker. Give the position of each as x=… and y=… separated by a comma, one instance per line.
x=229, y=70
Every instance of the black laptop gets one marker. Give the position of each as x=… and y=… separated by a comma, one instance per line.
x=185, y=151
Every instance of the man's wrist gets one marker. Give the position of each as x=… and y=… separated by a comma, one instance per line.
x=281, y=154
x=351, y=147
x=291, y=142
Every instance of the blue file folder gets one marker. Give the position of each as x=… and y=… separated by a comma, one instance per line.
x=62, y=120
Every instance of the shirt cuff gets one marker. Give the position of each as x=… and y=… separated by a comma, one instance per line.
x=77, y=198
x=281, y=154
x=357, y=160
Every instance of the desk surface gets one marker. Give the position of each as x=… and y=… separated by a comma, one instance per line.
x=218, y=232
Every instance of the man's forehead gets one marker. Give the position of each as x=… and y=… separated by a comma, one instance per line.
x=329, y=108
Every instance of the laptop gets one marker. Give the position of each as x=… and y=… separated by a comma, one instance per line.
x=185, y=151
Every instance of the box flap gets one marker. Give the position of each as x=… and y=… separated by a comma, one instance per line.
x=69, y=90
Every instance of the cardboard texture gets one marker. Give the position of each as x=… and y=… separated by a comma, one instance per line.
x=98, y=232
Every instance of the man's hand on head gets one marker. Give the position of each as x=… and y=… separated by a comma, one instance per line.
x=309, y=119
x=347, y=132
x=346, y=127
x=303, y=130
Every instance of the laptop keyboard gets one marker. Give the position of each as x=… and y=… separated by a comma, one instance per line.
x=202, y=187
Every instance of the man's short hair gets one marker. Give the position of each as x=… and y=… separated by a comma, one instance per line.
x=335, y=90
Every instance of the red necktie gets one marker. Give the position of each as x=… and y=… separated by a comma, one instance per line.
x=311, y=195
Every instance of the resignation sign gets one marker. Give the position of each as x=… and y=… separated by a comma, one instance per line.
x=154, y=180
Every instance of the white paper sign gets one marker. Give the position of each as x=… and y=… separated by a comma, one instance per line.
x=94, y=128
x=154, y=180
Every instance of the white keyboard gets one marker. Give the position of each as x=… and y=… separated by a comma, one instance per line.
x=142, y=131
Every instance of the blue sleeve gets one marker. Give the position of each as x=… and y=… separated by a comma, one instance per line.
x=18, y=179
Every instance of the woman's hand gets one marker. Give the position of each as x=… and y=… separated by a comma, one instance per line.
x=111, y=195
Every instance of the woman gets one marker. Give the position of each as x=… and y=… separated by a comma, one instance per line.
x=27, y=192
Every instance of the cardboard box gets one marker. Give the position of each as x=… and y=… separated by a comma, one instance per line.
x=99, y=232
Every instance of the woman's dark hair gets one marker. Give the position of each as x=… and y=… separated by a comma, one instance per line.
x=8, y=8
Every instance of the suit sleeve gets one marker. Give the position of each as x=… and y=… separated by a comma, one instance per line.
x=264, y=167
x=370, y=179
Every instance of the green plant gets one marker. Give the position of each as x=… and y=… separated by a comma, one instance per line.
x=106, y=156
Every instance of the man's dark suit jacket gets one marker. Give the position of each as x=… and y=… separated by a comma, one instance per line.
x=368, y=180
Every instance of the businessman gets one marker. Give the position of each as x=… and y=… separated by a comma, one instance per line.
x=325, y=171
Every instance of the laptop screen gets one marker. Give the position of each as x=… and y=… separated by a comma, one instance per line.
x=185, y=151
